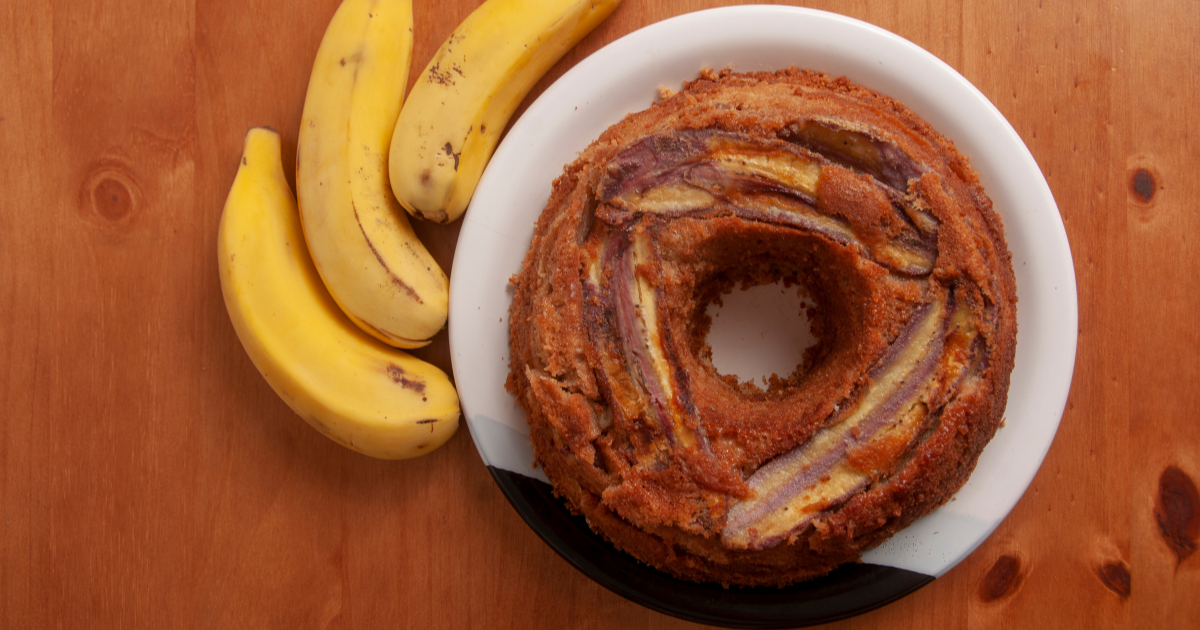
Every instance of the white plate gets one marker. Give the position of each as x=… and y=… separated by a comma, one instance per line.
x=624, y=77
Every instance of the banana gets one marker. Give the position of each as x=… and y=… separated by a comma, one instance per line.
x=361, y=393
x=461, y=103
x=361, y=241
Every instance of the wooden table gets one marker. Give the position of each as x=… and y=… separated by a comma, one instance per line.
x=150, y=478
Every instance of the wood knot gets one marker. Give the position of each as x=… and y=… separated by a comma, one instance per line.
x=1177, y=510
x=1003, y=579
x=1143, y=185
x=112, y=199
x=109, y=193
x=1115, y=576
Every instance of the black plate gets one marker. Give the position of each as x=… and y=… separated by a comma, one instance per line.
x=849, y=590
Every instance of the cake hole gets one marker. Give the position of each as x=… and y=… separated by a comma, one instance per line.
x=760, y=331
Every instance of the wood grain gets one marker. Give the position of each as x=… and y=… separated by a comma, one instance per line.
x=150, y=478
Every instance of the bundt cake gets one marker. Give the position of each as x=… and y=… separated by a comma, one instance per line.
x=742, y=179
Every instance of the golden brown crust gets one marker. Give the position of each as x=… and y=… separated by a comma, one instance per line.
x=752, y=178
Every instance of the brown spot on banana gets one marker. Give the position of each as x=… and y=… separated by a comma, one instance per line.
x=439, y=76
x=400, y=377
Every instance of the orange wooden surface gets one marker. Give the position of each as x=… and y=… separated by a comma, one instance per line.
x=150, y=478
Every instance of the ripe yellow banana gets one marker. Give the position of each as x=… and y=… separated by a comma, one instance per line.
x=361, y=393
x=459, y=106
x=361, y=241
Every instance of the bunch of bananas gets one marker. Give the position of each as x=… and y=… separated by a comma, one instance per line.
x=321, y=297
